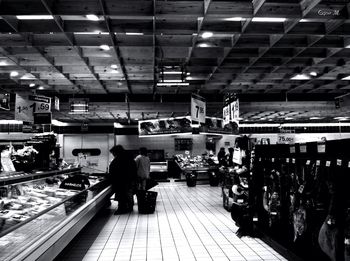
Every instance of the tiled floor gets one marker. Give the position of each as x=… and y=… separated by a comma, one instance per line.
x=189, y=224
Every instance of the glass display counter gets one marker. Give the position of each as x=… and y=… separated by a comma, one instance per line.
x=38, y=218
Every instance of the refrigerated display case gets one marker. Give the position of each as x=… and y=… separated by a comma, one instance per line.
x=38, y=218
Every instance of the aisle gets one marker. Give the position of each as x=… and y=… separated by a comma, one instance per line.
x=189, y=224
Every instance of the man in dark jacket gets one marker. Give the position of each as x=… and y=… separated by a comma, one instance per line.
x=123, y=174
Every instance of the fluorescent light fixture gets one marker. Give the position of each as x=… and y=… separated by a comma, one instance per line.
x=14, y=74
x=133, y=33
x=347, y=78
x=252, y=125
x=172, y=72
x=92, y=17
x=269, y=19
x=207, y=35
x=104, y=47
x=114, y=66
x=301, y=77
x=340, y=118
x=204, y=45
x=348, y=46
x=34, y=17
x=305, y=20
x=316, y=118
x=10, y=122
x=41, y=88
x=289, y=118
x=92, y=33
x=314, y=74
x=234, y=19
x=32, y=85
x=3, y=63
x=59, y=123
x=173, y=83
x=114, y=71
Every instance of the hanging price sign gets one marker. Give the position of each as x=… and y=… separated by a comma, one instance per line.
x=198, y=108
x=26, y=107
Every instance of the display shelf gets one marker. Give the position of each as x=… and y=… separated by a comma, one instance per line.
x=11, y=178
x=44, y=235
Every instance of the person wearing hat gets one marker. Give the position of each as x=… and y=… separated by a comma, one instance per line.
x=123, y=174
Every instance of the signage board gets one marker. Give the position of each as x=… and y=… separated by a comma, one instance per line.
x=165, y=126
x=198, y=108
x=27, y=106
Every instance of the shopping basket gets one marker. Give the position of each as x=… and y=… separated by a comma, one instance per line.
x=146, y=201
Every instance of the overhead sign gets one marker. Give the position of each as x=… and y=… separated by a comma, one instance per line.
x=27, y=106
x=217, y=126
x=165, y=126
x=234, y=106
x=57, y=103
x=230, y=111
x=198, y=108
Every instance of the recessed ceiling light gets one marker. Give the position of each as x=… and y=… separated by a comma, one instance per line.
x=340, y=118
x=14, y=74
x=314, y=74
x=34, y=17
x=347, y=78
x=92, y=17
x=301, y=77
x=132, y=33
x=32, y=85
x=269, y=19
x=234, y=19
x=114, y=71
x=207, y=35
x=3, y=63
x=105, y=47
x=172, y=72
x=114, y=66
x=289, y=118
x=41, y=88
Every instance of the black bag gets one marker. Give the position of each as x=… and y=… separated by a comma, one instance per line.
x=146, y=201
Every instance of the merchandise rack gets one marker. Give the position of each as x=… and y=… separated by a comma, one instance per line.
x=332, y=159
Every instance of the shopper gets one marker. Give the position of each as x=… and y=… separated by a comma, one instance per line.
x=230, y=157
x=123, y=175
x=222, y=157
x=143, y=168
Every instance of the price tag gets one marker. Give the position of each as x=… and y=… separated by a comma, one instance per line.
x=339, y=162
x=293, y=160
x=328, y=163
x=287, y=160
x=302, y=148
x=292, y=149
x=308, y=162
x=301, y=189
x=318, y=162
x=198, y=108
x=27, y=106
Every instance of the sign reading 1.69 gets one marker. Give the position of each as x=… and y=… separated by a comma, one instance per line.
x=26, y=107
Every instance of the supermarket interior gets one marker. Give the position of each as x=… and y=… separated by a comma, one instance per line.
x=174, y=130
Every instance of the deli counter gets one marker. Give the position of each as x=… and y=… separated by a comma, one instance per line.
x=40, y=213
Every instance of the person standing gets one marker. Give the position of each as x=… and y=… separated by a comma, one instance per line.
x=123, y=174
x=143, y=168
x=222, y=157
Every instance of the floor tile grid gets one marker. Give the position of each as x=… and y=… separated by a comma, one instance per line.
x=194, y=221
x=253, y=255
x=256, y=245
x=115, y=225
x=184, y=251
x=209, y=222
x=168, y=244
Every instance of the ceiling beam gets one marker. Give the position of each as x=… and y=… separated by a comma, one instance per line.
x=70, y=38
x=116, y=48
